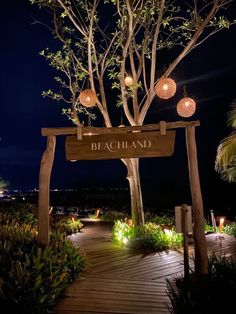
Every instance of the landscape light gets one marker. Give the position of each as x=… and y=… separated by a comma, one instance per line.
x=221, y=225
x=168, y=232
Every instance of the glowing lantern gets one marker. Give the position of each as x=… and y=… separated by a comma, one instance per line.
x=129, y=81
x=165, y=88
x=88, y=98
x=221, y=225
x=186, y=107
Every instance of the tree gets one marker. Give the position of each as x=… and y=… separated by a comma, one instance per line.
x=134, y=42
x=225, y=162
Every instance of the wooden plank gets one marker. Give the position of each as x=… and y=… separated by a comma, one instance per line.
x=120, y=281
x=115, y=146
x=103, y=130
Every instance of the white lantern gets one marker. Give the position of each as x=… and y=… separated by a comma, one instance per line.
x=165, y=88
x=186, y=107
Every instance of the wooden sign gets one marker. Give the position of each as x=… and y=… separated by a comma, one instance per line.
x=116, y=146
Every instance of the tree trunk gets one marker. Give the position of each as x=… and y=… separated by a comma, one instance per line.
x=133, y=177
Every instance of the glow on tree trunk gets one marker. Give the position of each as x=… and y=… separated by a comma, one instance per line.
x=135, y=191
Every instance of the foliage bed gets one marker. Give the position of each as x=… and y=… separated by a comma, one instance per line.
x=151, y=236
x=113, y=215
x=67, y=225
x=230, y=229
x=213, y=293
x=25, y=213
x=32, y=277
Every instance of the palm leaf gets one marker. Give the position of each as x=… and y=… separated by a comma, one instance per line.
x=232, y=115
x=229, y=174
x=225, y=162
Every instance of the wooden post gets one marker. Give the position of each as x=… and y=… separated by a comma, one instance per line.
x=44, y=188
x=200, y=246
x=213, y=220
x=184, y=227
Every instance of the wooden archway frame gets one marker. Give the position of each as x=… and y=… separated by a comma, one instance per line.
x=197, y=203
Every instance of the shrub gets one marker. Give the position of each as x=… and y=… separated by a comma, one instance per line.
x=214, y=293
x=230, y=229
x=150, y=236
x=33, y=277
x=164, y=220
x=113, y=215
x=67, y=225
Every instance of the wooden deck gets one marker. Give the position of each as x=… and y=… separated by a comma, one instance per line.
x=118, y=281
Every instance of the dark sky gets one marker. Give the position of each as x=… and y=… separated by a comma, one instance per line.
x=209, y=73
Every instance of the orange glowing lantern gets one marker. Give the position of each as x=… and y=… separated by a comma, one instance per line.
x=186, y=107
x=165, y=88
x=88, y=98
x=129, y=81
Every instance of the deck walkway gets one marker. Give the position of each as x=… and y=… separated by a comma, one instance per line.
x=116, y=280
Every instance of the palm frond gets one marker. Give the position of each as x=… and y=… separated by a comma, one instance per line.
x=225, y=162
x=232, y=115
x=229, y=174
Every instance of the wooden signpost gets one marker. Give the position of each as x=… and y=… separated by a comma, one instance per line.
x=126, y=142
x=116, y=146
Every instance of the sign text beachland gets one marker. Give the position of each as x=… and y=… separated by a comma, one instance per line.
x=116, y=146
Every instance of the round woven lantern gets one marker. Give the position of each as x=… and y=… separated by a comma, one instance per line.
x=186, y=107
x=129, y=81
x=88, y=98
x=165, y=88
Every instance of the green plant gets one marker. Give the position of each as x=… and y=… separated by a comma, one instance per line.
x=33, y=277
x=230, y=229
x=67, y=225
x=209, y=228
x=164, y=220
x=113, y=215
x=212, y=293
x=225, y=162
x=150, y=236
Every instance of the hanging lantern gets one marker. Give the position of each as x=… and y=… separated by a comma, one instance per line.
x=165, y=88
x=129, y=81
x=186, y=107
x=88, y=98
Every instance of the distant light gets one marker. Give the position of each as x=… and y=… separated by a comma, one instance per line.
x=23, y=198
x=73, y=160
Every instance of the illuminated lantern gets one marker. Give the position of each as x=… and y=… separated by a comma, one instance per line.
x=88, y=98
x=165, y=88
x=129, y=81
x=186, y=107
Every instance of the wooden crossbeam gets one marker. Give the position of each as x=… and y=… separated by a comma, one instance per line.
x=104, y=130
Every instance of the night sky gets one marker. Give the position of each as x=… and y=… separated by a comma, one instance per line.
x=208, y=72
